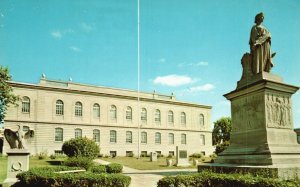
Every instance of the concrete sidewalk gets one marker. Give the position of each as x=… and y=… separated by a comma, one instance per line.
x=148, y=178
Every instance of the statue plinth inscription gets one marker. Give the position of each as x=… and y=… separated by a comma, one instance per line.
x=181, y=157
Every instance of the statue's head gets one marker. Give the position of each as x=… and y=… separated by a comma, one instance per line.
x=259, y=18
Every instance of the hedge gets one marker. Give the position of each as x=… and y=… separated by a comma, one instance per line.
x=45, y=177
x=83, y=162
x=114, y=168
x=210, y=179
x=98, y=169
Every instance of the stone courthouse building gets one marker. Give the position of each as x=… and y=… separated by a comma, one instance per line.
x=58, y=111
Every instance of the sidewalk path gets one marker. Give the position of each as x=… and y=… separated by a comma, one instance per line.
x=148, y=178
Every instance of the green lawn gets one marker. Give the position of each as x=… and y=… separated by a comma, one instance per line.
x=3, y=165
x=33, y=162
x=144, y=163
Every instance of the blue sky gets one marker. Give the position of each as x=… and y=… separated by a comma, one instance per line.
x=191, y=48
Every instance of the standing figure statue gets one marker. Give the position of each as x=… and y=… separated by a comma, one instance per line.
x=260, y=46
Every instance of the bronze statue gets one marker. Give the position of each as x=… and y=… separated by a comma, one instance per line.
x=15, y=138
x=260, y=46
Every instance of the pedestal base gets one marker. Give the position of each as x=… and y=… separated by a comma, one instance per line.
x=17, y=161
x=273, y=171
x=262, y=124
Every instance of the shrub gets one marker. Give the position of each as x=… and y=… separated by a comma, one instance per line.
x=42, y=155
x=46, y=177
x=196, y=155
x=210, y=179
x=98, y=169
x=114, y=168
x=81, y=147
x=53, y=157
x=82, y=162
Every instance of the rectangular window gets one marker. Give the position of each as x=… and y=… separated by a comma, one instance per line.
x=128, y=137
x=78, y=133
x=129, y=153
x=143, y=153
x=157, y=138
x=171, y=138
x=144, y=115
x=78, y=109
x=144, y=137
x=58, y=152
x=158, y=153
x=96, y=135
x=129, y=113
x=59, y=108
x=96, y=111
x=25, y=107
x=113, y=136
x=113, y=153
x=58, y=134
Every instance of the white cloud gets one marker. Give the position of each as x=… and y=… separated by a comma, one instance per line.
x=201, y=63
x=56, y=34
x=87, y=27
x=205, y=87
x=162, y=60
x=173, y=80
x=74, y=48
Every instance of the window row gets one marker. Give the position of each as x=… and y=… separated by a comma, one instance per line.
x=78, y=111
x=113, y=136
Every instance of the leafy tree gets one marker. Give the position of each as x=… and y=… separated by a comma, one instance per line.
x=81, y=147
x=221, y=133
x=6, y=92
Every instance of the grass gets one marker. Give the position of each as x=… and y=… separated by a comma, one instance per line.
x=33, y=162
x=3, y=167
x=144, y=163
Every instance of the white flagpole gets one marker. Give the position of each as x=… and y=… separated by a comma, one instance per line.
x=138, y=81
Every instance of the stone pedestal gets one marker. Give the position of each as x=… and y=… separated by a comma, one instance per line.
x=182, y=157
x=262, y=123
x=153, y=156
x=262, y=126
x=17, y=161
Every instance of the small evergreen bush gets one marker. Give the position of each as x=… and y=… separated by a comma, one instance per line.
x=210, y=179
x=114, y=168
x=98, y=169
x=82, y=162
x=46, y=177
x=81, y=147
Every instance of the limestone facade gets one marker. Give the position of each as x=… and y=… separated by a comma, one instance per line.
x=58, y=111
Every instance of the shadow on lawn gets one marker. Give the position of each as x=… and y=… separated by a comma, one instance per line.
x=55, y=162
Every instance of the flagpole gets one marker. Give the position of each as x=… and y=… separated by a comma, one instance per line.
x=138, y=81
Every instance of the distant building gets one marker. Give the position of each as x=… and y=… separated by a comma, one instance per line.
x=298, y=134
x=58, y=111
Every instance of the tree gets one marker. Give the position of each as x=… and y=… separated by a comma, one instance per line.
x=81, y=147
x=221, y=134
x=6, y=95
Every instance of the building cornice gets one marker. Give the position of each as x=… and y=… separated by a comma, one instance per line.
x=103, y=94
